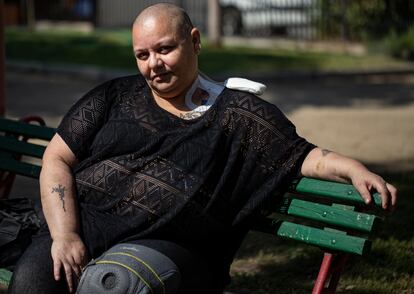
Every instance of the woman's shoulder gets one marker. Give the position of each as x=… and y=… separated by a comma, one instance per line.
x=245, y=108
x=248, y=102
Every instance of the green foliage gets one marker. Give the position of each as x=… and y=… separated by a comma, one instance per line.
x=402, y=46
x=351, y=19
x=368, y=19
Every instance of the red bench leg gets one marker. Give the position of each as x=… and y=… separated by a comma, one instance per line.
x=330, y=271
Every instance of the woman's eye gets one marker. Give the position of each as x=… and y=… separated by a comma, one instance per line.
x=141, y=56
x=165, y=49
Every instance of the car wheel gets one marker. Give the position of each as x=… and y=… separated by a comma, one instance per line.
x=231, y=21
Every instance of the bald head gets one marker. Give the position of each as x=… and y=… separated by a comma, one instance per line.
x=176, y=17
x=166, y=47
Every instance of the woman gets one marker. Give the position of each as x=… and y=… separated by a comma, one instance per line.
x=170, y=161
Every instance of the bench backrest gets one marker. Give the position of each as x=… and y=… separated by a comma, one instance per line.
x=321, y=213
x=326, y=214
x=21, y=146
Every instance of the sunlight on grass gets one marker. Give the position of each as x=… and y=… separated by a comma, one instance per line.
x=112, y=49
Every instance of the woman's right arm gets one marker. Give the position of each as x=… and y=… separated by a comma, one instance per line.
x=58, y=196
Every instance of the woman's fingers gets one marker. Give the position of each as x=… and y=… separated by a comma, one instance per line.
x=381, y=187
x=77, y=270
x=388, y=194
x=394, y=195
x=70, y=269
x=69, y=276
x=364, y=192
x=56, y=268
x=387, y=191
x=80, y=260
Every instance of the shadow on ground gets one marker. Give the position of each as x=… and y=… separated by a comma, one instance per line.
x=289, y=93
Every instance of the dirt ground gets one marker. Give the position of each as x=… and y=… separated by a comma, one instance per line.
x=375, y=135
x=370, y=117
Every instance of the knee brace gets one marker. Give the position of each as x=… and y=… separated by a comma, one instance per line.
x=130, y=269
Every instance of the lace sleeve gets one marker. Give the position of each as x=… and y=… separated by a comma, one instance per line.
x=273, y=152
x=79, y=126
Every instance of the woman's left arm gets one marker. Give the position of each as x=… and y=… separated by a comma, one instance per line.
x=325, y=164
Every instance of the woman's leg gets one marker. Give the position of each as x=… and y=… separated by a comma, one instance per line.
x=160, y=260
x=34, y=270
x=197, y=276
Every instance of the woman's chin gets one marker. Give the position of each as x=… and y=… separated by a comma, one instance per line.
x=165, y=93
x=165, y=90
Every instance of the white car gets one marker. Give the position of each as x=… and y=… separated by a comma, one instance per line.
x=265, y=16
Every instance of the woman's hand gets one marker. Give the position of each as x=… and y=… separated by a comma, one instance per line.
x=365, y=181
x=325, y=164
x=68, y=252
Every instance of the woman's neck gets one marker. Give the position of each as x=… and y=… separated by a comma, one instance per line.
x=172, y=104
x=175, y=105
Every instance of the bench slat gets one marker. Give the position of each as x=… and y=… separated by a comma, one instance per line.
x=325, y=239
x=19, y=167
x=338, y=216
x=328, y=239
x=21, y=147
x=331, y=190
x=30, y=130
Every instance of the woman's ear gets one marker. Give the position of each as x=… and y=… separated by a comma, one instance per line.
x=196, y=39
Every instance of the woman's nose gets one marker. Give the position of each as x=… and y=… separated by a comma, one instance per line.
x=154, y=61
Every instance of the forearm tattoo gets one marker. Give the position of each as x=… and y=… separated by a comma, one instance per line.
x=325, y=152
x=61, y=191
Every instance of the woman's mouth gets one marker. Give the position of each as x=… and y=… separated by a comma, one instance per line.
x=159, y=76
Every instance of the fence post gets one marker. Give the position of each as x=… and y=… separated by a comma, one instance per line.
x=2, y=62
x=213, y=22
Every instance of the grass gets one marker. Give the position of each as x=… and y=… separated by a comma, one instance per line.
x=109, y=50
x=268, y=265
x=112, y=49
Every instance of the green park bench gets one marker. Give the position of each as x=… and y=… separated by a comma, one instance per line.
x=329, y=215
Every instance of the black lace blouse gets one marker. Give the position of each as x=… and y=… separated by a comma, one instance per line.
x=144, y=171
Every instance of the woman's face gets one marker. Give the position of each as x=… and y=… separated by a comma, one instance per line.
x=166, y=58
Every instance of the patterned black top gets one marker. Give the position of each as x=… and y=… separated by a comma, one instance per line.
x=144, y=171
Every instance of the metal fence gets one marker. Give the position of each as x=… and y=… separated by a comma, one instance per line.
x=288, y=18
